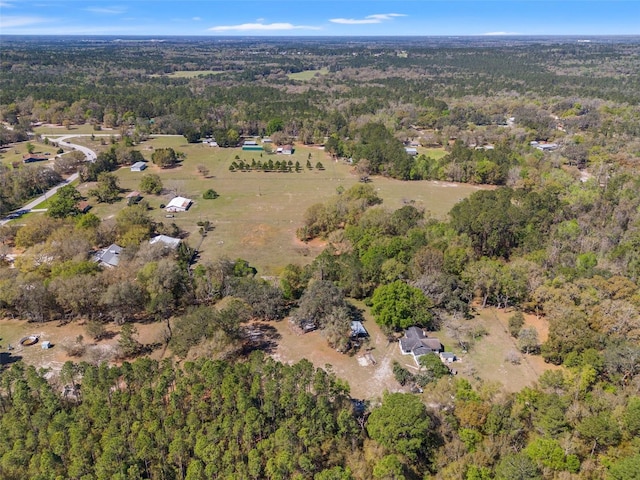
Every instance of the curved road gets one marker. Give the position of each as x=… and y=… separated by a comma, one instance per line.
x=90, y=156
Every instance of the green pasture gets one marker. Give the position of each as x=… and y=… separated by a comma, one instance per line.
x=257, y=213
x=435, y=153
x=73, y=129
x=190, y=73
x=307, y=74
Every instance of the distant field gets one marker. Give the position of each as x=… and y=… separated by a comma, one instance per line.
x=190, y=73
x=74, y=129
x=307, y=75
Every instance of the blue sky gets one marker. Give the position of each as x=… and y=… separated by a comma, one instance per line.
x=320, y=18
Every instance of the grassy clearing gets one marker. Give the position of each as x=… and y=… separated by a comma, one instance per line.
x=60, y=130
x=486, y=359
x=307, y=75
x=435, y=153
x=257, y=213
x=190, y=73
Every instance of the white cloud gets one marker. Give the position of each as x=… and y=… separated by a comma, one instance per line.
x=377, y=18
x=17, y=22
x=5, y=5
x=495, y=34
x=108, y=10
x=262, y=27
x=196, y=19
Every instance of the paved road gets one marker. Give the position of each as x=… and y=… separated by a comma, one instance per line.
x=91, y=157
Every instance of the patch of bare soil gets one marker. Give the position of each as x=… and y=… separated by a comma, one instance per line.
x=60, y=336
x=368, y=371
x=64, y=337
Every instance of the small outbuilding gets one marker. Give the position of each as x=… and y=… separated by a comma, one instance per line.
x=358, y=330
x=178, y=204
x=138, y=166
x=251, y=146
x=83, y=206
x=46, y=345
x=447, y=357
x=411, y=151
x=133, y=197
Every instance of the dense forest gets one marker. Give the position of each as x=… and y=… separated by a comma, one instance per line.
x=557, y=236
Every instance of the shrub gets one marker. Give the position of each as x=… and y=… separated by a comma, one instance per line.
x=210, y=194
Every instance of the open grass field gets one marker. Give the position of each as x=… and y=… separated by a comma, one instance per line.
x=74, y=129
x=190, y=73
x=435, y=153
x=257, y=213
x=486, y=360
x=307, y=75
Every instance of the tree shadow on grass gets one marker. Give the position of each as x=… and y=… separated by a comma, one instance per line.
x=260, y=336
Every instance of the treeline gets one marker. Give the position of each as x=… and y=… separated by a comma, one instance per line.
x=261, y=419
x=368, y=81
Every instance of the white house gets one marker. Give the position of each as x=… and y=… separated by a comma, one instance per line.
x=166, y=241
x=138, y=166
x=178, y=204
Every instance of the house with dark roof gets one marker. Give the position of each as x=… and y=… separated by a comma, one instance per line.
x=416, y=343
x=30, y=158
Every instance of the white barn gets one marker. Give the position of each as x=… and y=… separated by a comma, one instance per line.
x=178, y=204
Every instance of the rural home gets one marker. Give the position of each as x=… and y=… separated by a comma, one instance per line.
x=416, y=343
x=110, y=256
x=83, y=206
x=138, y=166
x=544, y=146
x=133, y=198
x=30, y=158
x=166, y=241
x=178, y=204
